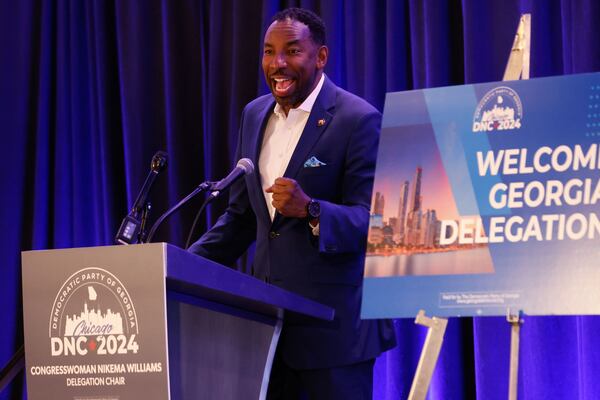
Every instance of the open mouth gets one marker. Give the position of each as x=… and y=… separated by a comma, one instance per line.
x=282, y=86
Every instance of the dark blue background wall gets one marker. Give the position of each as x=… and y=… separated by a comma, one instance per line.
x=89, y=90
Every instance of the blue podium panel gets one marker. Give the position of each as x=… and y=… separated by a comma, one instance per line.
x=486, y=198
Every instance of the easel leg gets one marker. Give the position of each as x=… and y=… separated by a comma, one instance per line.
x=518, y=61
x=429, y=354
x=515, y=330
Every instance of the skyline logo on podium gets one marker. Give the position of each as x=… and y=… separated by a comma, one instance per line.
x=93, y=313
x=90, y=322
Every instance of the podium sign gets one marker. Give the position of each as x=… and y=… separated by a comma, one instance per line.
x=486, y=198
x=95, y=324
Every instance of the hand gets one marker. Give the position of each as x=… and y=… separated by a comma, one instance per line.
x=288, y=198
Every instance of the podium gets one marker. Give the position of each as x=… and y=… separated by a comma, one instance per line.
x=149, y=321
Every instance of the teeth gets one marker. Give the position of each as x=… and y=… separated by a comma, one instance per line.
x=282, y=85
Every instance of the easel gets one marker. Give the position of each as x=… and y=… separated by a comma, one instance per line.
x=516, y=67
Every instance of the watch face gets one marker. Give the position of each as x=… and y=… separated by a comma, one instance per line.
x=314, y=209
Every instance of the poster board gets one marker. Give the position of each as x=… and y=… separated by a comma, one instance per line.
x=486, y=198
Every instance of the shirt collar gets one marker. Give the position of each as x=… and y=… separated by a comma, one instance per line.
x=307, y=104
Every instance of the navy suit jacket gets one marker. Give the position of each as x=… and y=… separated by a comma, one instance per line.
x=342, y=131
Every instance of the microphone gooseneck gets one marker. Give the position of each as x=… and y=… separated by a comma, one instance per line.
x=243, y=167
x=132, y=227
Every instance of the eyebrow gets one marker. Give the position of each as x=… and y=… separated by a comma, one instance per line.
x=290, y=43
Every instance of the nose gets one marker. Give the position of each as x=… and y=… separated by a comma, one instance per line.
x=278, y=61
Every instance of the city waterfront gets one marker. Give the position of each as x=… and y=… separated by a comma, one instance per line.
x=475, y=260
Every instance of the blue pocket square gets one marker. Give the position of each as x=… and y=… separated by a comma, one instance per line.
x=313, y=162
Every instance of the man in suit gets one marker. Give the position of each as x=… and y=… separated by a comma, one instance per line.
x=307, y=207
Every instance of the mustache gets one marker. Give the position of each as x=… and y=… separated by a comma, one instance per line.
x=279, y=71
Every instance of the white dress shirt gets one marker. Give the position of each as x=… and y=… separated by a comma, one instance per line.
x=280, y=140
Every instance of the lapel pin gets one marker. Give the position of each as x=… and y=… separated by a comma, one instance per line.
x=321, y=122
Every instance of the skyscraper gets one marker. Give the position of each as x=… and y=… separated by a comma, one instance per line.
x=379, y=204
x=399, y=229
x=415, y=200
x=413, y=219
x=428, y=228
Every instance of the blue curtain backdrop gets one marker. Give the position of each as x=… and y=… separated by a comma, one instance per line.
x=89, y=90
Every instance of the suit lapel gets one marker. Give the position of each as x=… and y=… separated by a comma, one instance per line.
x=319, y=119
x=259, y=132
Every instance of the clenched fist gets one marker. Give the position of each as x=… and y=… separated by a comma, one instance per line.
x=288, y=198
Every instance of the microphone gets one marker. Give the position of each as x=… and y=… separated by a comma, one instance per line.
x=158, y=164
x=244, y=167
x=132, y=227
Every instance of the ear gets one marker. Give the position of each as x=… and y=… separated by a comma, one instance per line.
x=322, y=55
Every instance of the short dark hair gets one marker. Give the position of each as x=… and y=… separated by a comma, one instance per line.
x=313, y=21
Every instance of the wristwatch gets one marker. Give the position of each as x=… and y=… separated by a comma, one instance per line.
x=313, y=208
